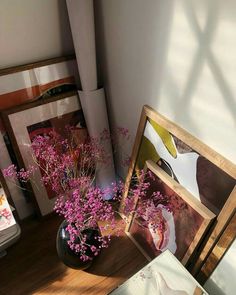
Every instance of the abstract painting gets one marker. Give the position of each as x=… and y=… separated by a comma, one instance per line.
x=193, y=171
x=183, y=223
x=204, y=174
x=207, y=175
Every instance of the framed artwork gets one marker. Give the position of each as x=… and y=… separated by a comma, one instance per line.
x=40, y=117
x=27, y=83
x=206, y=175
x=183, y=227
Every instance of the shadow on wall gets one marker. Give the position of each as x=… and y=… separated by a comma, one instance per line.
x=132, y=46
x=176, y=56
x=212, y=287
x=222, y=280
x=64, y=24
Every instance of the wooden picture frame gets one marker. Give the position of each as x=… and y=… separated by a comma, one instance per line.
x=177, y=237
x=23, y=121
x=26, y=83
x=217, y=174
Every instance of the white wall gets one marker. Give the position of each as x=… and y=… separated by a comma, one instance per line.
x=223, y=278
x=33, y=30
x=179, y=57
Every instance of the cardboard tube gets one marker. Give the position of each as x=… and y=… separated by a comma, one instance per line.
x=81, y=15
x=95, y=113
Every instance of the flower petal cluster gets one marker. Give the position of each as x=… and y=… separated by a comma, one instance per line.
x=69, y=167
x=83, y=208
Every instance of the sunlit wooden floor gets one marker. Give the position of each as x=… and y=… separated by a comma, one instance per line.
x=32, y=265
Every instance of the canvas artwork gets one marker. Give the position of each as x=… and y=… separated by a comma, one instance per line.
x=195, y=175
x=207, y=182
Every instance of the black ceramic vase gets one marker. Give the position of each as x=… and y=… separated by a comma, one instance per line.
x=68, y=256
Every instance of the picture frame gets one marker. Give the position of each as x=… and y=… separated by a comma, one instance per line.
x=27, y=83
x=207, y=175
x=23, y=121
x=176, y=236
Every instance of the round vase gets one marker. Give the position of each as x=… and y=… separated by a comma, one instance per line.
x=68, y=256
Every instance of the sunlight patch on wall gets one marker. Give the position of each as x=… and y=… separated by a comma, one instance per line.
x=198, y=88
x=182, y=49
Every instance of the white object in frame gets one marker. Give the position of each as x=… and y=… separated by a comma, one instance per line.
x=169, y=234
x=184, y=165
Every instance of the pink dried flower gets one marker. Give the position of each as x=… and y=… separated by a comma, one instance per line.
x=68, y=168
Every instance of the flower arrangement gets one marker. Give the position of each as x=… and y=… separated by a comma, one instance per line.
x=68, y=167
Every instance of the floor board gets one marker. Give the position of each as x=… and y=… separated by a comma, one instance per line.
x=32, y=265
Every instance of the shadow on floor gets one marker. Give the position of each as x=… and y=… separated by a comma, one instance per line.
x=33, y=267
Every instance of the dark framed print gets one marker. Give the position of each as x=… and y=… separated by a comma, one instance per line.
x=205, y=174
x=183, y=226
x=40, y=117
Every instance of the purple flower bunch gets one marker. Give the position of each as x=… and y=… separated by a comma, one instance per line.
x=68, y=167
x=23, y=175
x=83, y=208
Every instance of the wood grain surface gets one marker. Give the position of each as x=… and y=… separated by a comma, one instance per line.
x=33, y=267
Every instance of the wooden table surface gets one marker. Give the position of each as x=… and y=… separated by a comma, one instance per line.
x=33, y=267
